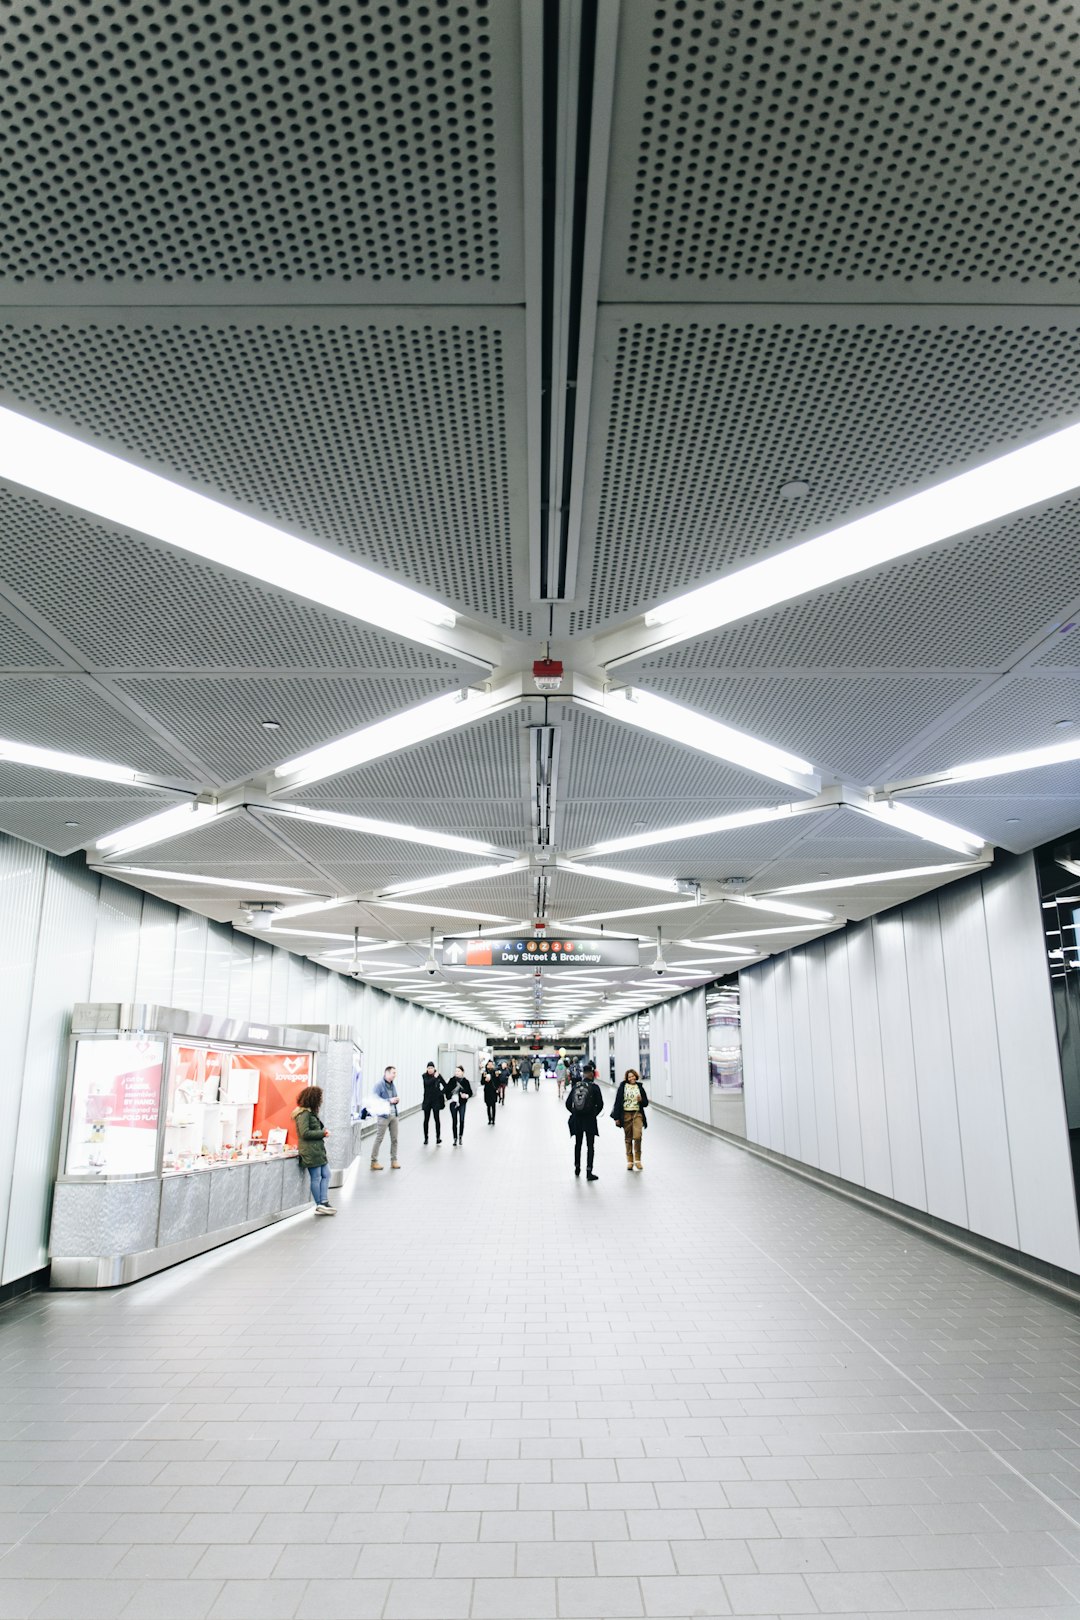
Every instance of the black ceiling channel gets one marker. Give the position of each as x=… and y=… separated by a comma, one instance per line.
x=553, y=567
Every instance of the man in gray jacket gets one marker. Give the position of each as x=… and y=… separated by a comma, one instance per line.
x=386, y=1092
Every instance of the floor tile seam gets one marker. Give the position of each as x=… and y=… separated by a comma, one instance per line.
x=901, y=1372
x=75, y=1489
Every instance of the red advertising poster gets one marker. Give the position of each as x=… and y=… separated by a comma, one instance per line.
x=282, y=1077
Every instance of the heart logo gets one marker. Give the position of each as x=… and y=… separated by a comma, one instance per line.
x=294, y=1063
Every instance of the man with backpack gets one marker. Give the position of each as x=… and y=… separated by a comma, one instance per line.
x=584, y=1104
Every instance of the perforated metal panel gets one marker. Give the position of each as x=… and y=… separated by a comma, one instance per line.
x=231, y=846
x=220, y=720
x=397, y=438
x=358, y=862
x=821, y=146
x=503, y=822
x=44, y=820
x=845, y=727
x=19, y=649
x=1018, y=812
x=701, y=418
x=937, y=611
x=313, y=150
x=739, y=852
x=1021, y=714
x=58, y=711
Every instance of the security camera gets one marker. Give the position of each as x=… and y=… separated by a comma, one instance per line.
x=431, y=966
x=659, y=966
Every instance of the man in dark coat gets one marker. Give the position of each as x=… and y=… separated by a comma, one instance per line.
x=584, y=1104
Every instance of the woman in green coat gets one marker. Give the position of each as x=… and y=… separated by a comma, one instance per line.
x=311, y=1144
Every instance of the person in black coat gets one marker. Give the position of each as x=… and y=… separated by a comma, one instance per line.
x=629, y=1112
x=584, y=1104
x=458, y=1092
x=434, y=1097
x=490, y=1081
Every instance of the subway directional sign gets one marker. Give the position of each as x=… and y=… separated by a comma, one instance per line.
x=533, y=952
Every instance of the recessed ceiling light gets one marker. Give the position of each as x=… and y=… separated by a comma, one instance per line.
x=271, y=725
x=795, y=490
x=1063, y=725
x=71, y=823
x=1012, y=821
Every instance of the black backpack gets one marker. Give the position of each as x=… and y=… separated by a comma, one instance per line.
x=579, y=1098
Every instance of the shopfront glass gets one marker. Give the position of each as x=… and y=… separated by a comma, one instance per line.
x=116, y=1091
x=226, y=1104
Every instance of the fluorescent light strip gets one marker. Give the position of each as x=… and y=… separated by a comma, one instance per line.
x=1028, y=759
x=390, y=829
x=452, y=880
x=245, y=885
x=639, y=880
x=51, y=759
x=760, y=933
x=304, y=910
x=780, y=908
x=702, y=945
x=685, y=829
x=60, y=466
x=631, y=911
x=675, y=723
x=1009, y=483
x=435, y=718
x=442, y=911
x=824, y=884
x=928, y=828
x=172, y=823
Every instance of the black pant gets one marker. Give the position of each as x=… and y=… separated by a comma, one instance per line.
x=590, y=1150
x=429, y=1109
x=491, y=1111
x=457, y=1118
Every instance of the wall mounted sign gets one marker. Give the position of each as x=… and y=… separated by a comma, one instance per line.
x=488, y=952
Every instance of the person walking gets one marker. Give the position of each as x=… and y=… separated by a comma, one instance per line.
x=515, y=1072
x=629, y=1112
x=502, y=1075
x=458, y=1092
x=537, y=1071
x=311, y=1146
x=560, y=1076
x=434, y=1098
x=491, y=1091
x=385, y=1097
x=584, y=1104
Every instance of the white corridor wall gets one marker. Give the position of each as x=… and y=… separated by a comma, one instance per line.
x=916, y=1055
x=67, y=935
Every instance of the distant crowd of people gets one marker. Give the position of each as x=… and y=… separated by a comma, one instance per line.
x=574, y=1077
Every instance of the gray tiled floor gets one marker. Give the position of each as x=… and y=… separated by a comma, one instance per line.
x=489, y=1390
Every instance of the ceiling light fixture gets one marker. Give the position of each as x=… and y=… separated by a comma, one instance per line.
x=171, y=823
x=1009, y=483
x=451, y=880
x=631, y=911
x=309, y=906
x=636, y=880
x=930, y=829
x=53, y=463
x=781, y=908
x=51, y=759
x=435, y=718
x=1028, y=759
x=874, y=878
x=386, y=829
x=688, y=829
x=675, y=723
x=247, y=884
x=442, y=911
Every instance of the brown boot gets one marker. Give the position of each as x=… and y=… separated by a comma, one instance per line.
x=375, y=1165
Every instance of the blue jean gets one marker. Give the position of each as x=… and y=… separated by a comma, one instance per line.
x=319, y=1175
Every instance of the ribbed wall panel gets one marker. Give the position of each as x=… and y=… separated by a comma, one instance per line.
x=22, y=883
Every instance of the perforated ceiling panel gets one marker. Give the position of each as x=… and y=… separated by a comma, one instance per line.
x=66, y=824
x=850, y=727
x=233, y=845
x=1018, y=812
x=700, y=420
x=60, y=711
x=614, y=761
x=178, y=612
x=357, y=862
x=935, y=611
x=503, y=822
x=482, y=761
x=397, y=438
x=19, y=649
x=308, y=149
x=1023, y=713
x=220, y=720
x=739, y=852
x=817, y=146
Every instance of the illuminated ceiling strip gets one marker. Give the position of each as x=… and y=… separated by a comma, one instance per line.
x=779, y=908
x=452, y=880
x=52, y=759
x=760, y=933
x=306, y=909
x=977, y=770
x=700, y=945
x=246, y=885
x=611, y=874
x=385, y=829
x=630, y=911
x=155, y=829
x=55, y=464
x=435, y=718
x=443, y=911
x=869, y=878
x=674, y=723
x=1008, y=484
x=687, y=829
x=930, y=829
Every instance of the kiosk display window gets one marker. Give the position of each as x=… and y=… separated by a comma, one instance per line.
x=115, y=1096
x=229, y=1104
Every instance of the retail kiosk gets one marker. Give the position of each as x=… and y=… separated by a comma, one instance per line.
x=178, y=1135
